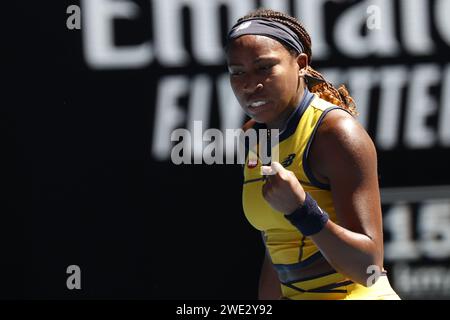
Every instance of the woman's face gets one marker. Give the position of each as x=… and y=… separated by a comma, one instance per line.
x=255, y=60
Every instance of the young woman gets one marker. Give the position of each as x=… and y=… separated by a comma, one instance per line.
x=319, y=211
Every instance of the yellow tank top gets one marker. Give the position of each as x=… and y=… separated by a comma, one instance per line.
x=288, y=249
x=285, y=244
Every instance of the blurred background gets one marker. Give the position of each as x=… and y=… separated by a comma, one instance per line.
x=96, y=87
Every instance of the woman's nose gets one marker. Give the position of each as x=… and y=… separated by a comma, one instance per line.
x=253, y=87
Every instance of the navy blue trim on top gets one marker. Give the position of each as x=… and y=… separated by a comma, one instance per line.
x=293, y=266
x=294, y=118
x=317, y=276
x=294, y=287
x=253, y=180
x=330, y=287
x=306, y=166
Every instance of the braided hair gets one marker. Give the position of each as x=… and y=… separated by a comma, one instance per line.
x=315, y=80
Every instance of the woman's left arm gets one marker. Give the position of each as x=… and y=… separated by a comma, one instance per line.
x=342, y=155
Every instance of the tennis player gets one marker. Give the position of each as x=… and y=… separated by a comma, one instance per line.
x=319, y=210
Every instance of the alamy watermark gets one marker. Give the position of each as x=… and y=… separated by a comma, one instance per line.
x=74, y=20
x=373, y=21
x=74, y=280
x=375, y=273
x=208, y=147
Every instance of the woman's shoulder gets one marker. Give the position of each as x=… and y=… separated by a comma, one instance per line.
x=338, y=121
x=342, y=140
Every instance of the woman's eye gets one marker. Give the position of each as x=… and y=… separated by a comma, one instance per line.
x=268, y=67
x=236, y=73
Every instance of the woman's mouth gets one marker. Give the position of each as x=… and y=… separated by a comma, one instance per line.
x=257, y=106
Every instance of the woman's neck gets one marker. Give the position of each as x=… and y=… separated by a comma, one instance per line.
x=281, y=122
x=283, y=118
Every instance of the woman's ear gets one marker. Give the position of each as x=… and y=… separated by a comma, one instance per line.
x=302, y=61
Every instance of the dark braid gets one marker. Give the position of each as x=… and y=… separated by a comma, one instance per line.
x=322, y=88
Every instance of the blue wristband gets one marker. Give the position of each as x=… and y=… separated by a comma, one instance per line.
x=309, y=219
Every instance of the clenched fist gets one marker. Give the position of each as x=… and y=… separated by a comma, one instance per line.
x=282, y=189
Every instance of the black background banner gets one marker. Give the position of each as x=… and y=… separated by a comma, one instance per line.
x=91, y=111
